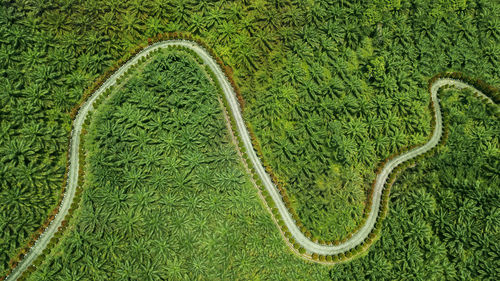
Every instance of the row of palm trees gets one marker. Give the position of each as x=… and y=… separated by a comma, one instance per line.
x=136, y=207
x=61, y=48
x=346, y=103
x=429, y=232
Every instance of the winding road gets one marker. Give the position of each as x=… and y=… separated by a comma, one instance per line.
x=230, y=96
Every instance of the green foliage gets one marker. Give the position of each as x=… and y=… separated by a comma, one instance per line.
x=327, y=83
x=423, y=237
x=189, y=207
x=351, y=94
x=442, y=213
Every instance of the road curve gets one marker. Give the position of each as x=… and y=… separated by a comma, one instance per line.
x=230, y=95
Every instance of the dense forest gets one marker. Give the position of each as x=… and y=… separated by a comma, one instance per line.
x=165, y=194
x=331, y=88
x=444, y=219
x=343, y=98
x=167, y=198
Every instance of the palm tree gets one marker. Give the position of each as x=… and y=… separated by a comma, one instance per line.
x=161, y=8
x=365, y=107
x=93, y=42
x=151, y=271
x=180, y=12
x=94, y=266
x=193, y=159
x=182, y=179
x=388, y=84
x=169, y=201
x=91, y=218
x=130, y=224
x=349, y=105
x=423, y=202
x=286, y=149
x=263, y=39
x=178, y=223
x=136, y=119
x=140, y=7
x=490, y=26
x=381, y=144
x=335, y=87
x=366, y=152
x=57, y=23
x=466, y=29
x=154, y=26
x=402, y=104
x=134, y=177
x=45, y=76
x=204, y=7
x=301, y=50
x=37, y=95
x=71, y=274
x=382, y=105
x=197, y=24
x=345, y=147
x=245, y=55
x=292, y=74
x=397, y=140
x=491, y=52
x=351, y=34
x=482, y=136
x=115, y=7
x=17, y=151
x=117, y=200
x=32, y=175
x=390, y=123
x=248, y=25
x=402, y=35
x=425, y=29
x=30, y=57
x=169, y=142
x=127, y=270
x=48, y=272
x=287, y=35
x=126, y=157
x=193, y=204
x=341, y=66
x=150, y=155
x=215, y=17
x=198, y=267
x=129, y=23
x=107, y=23
x=313, y=91
x=310, y=36
x=189, y=139
x=269, y=20
x=334, y=31
x=62, y=59
x=229, y=180
x=225, y=32
x=111, y=245
x=175, y=269
x=225, y=156
x=143, y=199
x=356, y=129
x=155, y=224
x=8, y=56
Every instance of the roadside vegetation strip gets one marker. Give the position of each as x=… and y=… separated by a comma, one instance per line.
x=303, y=245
